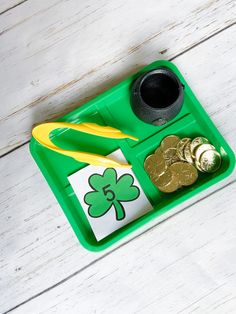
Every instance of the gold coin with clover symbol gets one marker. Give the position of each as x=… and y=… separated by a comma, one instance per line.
x=109, y=191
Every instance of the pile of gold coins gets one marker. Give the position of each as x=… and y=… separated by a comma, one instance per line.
x=175, y=162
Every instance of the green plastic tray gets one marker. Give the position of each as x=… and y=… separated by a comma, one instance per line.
x=113, y=108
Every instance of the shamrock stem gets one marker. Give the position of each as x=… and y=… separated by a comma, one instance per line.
x=120, y=211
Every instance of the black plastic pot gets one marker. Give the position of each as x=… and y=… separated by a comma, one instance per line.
x=157, y=96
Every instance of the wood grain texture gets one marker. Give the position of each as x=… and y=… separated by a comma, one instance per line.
x=185, y=265
x=73, y=50
x=38, y=247
x=7, y=5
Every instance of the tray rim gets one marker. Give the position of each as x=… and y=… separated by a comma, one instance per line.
x=146, y=218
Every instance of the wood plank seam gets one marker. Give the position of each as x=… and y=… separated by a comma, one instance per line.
x=64, y=86
x=190, y=28
x=23, y=21
x=222, y=119
x=14, y=6
x=118, y=247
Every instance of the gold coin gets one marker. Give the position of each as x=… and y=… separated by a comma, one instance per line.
x=150, y=162
x=155, y=164
x=198, y=166
x=170, y=141
x=180, y=147
x=158, y=151
x=163, y=179
x=196, y=142
x=210, y=161
x=186, y=173
x=153, y=160
x=157, y=170
x=172, y=186
x=202, y=148
x=187, y=153
x=170, y=156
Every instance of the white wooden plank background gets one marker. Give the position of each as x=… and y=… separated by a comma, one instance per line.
x=85, y=47
x=7, y=5
x=55, y=55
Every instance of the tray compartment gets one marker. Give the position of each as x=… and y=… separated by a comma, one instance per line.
x=113, y=108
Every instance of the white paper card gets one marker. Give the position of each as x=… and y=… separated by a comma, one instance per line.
x=110, y=197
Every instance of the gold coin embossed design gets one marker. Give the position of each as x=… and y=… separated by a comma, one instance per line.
x=170, y=141
x=187, y=153
x=163, y=179
x=158, y=151
x=158, y=170
x=196, y=142
x=170, y=156
x=202, y=148
x=155, y=165
x=186, y=173
x=198, y=166
x=172, y=186
x=159, y=156
x=180, y=147
x=210, y=160
x=149, y=162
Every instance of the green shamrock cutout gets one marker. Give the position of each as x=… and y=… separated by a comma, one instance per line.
x=109, y=191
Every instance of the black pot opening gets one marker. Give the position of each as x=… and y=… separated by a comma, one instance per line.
x=159, y=90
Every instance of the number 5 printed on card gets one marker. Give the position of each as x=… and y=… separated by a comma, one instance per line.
x=108, y=191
